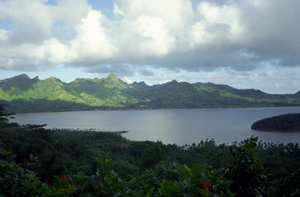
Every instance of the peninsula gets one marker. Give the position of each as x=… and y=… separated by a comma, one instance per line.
x=286, y=122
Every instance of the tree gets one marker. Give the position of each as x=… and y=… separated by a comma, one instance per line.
x=247, y=170
x=4, y=117
x=151, y=156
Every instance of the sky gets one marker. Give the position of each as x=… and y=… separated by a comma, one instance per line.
x=242, y=43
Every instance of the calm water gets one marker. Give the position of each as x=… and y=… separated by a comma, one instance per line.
x=179, y=126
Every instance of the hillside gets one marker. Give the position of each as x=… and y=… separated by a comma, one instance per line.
x=23, y=94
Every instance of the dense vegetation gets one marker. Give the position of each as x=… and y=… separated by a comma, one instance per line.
x=286, y=122
x=22, y=94
x=39, y=162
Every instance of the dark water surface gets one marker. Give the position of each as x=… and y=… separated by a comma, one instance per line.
x=179, y=126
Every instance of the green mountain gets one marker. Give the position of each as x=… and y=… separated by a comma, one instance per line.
x=23, y=94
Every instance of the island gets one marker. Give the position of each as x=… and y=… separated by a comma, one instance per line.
x=286, y=122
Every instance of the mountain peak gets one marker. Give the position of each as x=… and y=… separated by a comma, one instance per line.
x=53, y=79
x=140, y=85
x=22, y=77
x=113, y=81
x=36, y=79
x=112, y=76
x=21, y=81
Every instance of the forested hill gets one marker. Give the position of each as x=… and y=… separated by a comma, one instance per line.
x=23, y=94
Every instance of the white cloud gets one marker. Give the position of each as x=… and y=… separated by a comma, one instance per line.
x=70, y=12
x=91, y=43
x=117, y=11
x=55, y=51
x=154, y=36
x=32, y=21
x=175, y=35
x=152, y=30
x=3, y=36
x=227, y=15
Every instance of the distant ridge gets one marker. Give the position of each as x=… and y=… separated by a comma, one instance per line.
x=23, y=94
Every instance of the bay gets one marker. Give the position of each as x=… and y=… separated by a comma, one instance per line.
x=171, y=126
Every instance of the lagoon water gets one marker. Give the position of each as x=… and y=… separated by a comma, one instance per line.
x=179, y=126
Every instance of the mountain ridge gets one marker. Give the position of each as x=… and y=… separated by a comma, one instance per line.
x=23, y=94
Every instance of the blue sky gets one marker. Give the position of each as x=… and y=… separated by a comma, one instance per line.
x=245, y=44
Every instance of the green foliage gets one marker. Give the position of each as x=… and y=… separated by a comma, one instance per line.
x=200, y=179
x=151, y=157
x=16, y=179
x=38, y=162
x=37, y=105
x=289, y=186
x=247, y=170
x=245, y=176
x=4, y=117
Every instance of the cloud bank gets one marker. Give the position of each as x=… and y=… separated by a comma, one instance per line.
x=188, y=35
